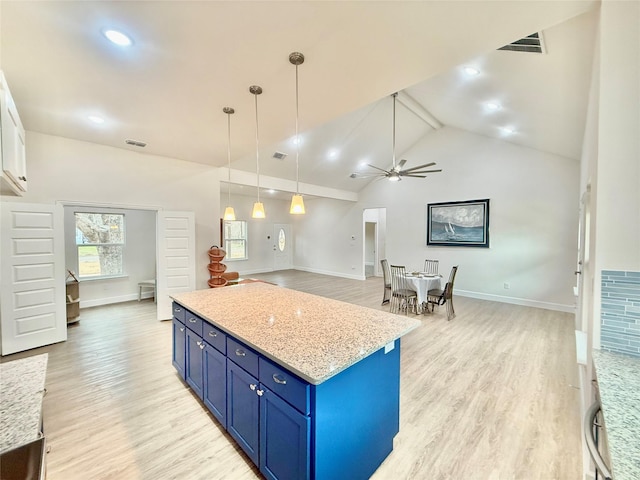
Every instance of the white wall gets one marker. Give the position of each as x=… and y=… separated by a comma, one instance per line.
x=533, y=219
x=64, y=170
x=139, y=257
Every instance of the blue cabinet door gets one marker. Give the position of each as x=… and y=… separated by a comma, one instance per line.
x=179, y=337
x=284, y=439
x=243, y=409
x=193, y=356
x=215, y=383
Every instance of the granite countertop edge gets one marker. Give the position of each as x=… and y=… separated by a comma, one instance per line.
x=618, y=378
x=411, y=324
x=23, y=386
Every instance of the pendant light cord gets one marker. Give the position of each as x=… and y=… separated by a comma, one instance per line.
x=229, y=155
x=297, y=137
x=257, y=150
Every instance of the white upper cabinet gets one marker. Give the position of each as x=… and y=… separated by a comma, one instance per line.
x=14, y=162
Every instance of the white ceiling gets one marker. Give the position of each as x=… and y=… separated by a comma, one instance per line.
x=191, y=59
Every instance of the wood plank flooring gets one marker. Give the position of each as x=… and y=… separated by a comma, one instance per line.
x=488, y=395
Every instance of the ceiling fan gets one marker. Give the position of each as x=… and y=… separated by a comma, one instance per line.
x=396, y=172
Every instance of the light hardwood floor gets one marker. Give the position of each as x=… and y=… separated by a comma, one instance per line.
x=488, y=395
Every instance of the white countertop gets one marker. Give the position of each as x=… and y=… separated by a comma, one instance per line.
x=619, y=387
x=21, y=392
x=311, y=336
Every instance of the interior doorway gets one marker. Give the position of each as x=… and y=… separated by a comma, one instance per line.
x=374, y=228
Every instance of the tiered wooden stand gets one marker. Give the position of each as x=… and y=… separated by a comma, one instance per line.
x=216, y=268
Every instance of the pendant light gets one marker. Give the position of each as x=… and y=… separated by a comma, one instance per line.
x=229, y=213
x=258, y=207
x=297, y=203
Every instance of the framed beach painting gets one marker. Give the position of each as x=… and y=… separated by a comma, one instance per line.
x=458, y=224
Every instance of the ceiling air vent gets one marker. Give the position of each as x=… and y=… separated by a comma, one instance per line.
x=280, y=155
x=531, y=44
x=135, y=143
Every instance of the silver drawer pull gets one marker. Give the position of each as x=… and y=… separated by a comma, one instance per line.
x=240, y=352
x=177, y=309
x=192, y=320
x=260, y=392
x=252, y=386
x=213, y=333
x=182, y=329
x=198, y=343
x=279, y=379
x=201, y=346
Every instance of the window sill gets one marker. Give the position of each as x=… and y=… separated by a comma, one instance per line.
x=105, y=277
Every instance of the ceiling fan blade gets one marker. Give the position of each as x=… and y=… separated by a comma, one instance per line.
x=367, y=175
x=420, y=166
x=377, y=168
x=401, y=163
x=415, y=176
x=406, y=173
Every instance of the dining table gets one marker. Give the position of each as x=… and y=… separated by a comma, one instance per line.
x=422, y=282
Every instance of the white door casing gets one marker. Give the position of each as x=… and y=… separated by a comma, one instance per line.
x=176, y=241
x=33, y=306
x=282, y=246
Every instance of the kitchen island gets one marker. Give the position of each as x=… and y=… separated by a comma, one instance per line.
x=309, y=387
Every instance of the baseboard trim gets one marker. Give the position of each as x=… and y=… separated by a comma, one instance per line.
x=109, y=300
x=517, y=301
x=332, y=274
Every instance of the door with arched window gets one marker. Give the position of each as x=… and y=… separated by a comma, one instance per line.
x=282, y=246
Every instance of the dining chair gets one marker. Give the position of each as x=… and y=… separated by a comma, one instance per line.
x=444, y=296
x=386, y=275
x=431, y=267
x=403, y=297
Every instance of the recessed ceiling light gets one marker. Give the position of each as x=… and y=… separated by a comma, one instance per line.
x=333, y=154
x=271, y=191
x=96, y=119
x=492, y=106
x=508, y=130
x=118, y=38
x=471, y=71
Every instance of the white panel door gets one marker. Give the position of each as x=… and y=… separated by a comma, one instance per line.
x=176, y=258
x=33, y=310
x=282, y=246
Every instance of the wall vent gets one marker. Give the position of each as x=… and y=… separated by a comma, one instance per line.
x=531, y=44
x=280, y=155
x=135, y=143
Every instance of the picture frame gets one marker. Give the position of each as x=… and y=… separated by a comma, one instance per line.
x=458, y=224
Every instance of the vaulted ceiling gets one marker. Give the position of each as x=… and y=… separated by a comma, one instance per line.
x=190, y=59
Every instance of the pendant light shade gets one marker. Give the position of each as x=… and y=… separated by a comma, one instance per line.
x=258, y=207
x=297, y=203
x=229, y=213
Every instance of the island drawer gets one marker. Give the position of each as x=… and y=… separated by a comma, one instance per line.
x=284, y=384
x=214, y=337
x=193, y=322
x=242, y=356
x=179, y=312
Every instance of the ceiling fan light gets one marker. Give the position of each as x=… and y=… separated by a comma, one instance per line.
x=394, y=177
x=258, y=210
x=229, y=214
x=297, y=205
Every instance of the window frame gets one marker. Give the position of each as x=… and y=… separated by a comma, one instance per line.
x=120, y=245
x=225, y=240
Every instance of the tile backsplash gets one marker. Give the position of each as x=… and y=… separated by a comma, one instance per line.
x=620, y=313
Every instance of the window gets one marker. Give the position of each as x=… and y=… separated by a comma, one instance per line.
x=235, y=240
x=100, y=243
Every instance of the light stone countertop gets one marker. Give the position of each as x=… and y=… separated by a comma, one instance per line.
x=619, y=386
x=21, y=392
x=311, y=336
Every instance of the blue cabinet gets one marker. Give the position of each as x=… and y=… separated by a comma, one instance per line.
x=342, y=428
x=194, y=346
x=284, y=439
x=179, y=337
x=215, y=380
x=243, y=410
